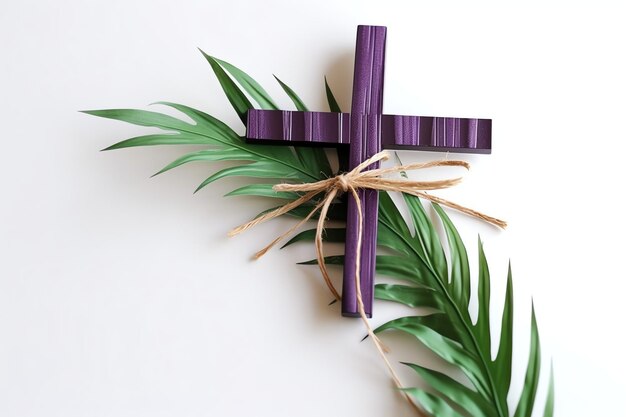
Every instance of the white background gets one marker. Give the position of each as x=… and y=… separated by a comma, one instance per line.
x=120, y=295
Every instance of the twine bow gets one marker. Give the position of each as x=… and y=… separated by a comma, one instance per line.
x=350, y=182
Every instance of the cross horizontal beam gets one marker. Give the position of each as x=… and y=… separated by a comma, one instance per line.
x=325, y=129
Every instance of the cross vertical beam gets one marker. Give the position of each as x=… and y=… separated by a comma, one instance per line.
x=365, y=142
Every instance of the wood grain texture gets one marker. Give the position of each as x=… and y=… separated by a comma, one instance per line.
x=365, y=142
x=446, y=134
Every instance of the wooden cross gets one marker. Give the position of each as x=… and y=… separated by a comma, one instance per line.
x=365, y=131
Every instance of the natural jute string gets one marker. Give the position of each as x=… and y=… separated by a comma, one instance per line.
x=350, y=182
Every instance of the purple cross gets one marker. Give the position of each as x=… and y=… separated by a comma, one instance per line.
x=365, y=130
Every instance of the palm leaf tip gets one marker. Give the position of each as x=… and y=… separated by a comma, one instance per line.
x=116, y=114
x=502, y=364
x=549, y=406
x=482, y=325
x=235, y=96
x=111, y=148
x=208, y=57
x=330, y=97
x=250, y=85
x=95, y=113
x=297, y=101
x=531, y=380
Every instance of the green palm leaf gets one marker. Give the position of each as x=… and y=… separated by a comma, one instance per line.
x=410, y=296
x=208, y=155
x=314, y=160
x=548, y=410
x=252, y=87
x=455, y=392
x=502, y=365
x=433, y=404
x=297, y=101
x=430, y=277
x=483, y=331
x=319, y=160
x=332, y=101
x=527, y=400
x=490, y=378
x=470, y=357
x=262, y=190
x=459, y=284
x=237, y=98
x=330, y=234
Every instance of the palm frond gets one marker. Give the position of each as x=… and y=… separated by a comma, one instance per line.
x=471, y=350
x=419, y=260
x=430, y=276
x=224, y=144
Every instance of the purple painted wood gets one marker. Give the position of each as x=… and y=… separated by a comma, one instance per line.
x=423, y=133
x=298, y=127
x=366, y=131
x=436, y=133
x=365, y=142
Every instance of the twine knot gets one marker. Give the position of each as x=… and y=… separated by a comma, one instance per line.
x=342, y=182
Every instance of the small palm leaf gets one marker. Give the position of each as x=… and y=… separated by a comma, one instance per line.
x=319, y=160
x=408, y=295
x=455, y=392
x=208, y=155
x=548, y=410
x=237, y=98
x=297, y=101
x=332, y=101
x=502, y=365
x=459, y=284
x=527, y=400
x=329, y=234
x=483, y=331
x=252, y=87
x=262, y=190
x=434, y=405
